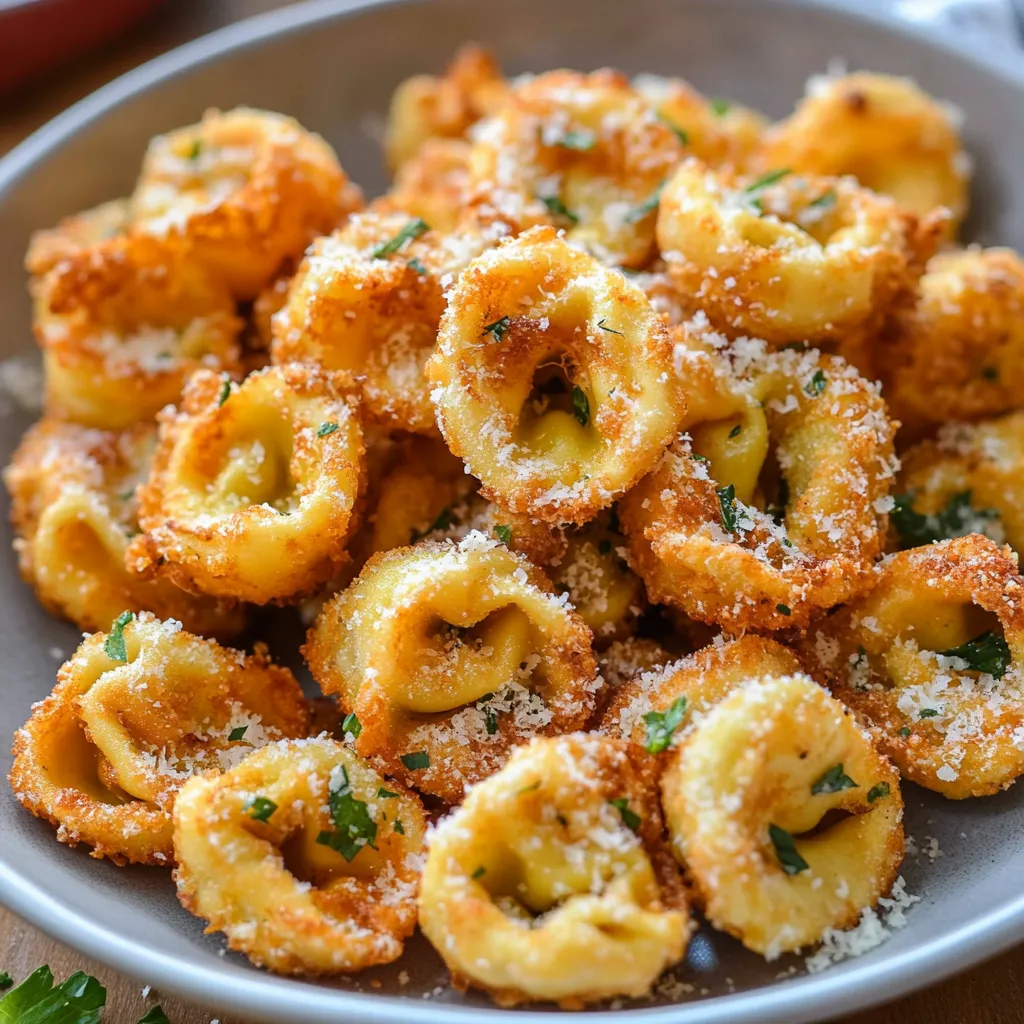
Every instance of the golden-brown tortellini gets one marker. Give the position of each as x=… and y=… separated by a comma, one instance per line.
x=240, y=193
x=772, y=506
x=553, y=379
x=585, y=152
x=931, y=659
x=432, y=185
x=785, y=257
x=957, y=353
x=969, y=479
x=884, y=131
x=136, y=712
x=74, y=512
x=304, y=857
x=255, y=487
x=367, y=300
x=122, y=324
x=552, y=881
x=448, y=655
x=83, y=230
x=786, y=818
x=425, y=107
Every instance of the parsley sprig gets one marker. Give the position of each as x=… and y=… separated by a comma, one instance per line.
x=413, y=229
x=988, y=653
x=661, y=725
x=354, y=826
x=77, y=1000
x=114, y=646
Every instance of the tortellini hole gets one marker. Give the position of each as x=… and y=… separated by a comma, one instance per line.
x=737, y=448
x=556, y=418
x=77, y=764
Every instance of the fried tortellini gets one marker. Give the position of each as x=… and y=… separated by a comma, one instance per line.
x=303, y=856
x=254, y=488
x=135, y=713
x=552, y=880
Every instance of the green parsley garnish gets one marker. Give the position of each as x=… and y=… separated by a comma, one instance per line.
x=785, y=849
x=416, y=760
x=155, y=1016
x=602, y=325
x=490, y=720
x=697, y=457
x=955, y=520
x=225, y=391
x=354, y=828
x=735, y=432
x=114, y=646
x=834, y=780
x=78, y=1000
x=648, y=206
x=719, y=107
x=580, y=406
x=558, y=209
x=237, y=733
x=529, y=789
x=479, y=873
x=825, y=201
x=629, y=818
x=784, y=609
x=581, y=139
x=905, y=731
x=399, y=828
x=414, y=264
x=817, y=384
x=878, y=792
x=929, y=713
x=727, y=504
x=765, y=180
x=195, y=149
x=987, y=653
x=350, y=725
x=326, y=428
x=260, y=808
x=497, y=329
x=412, y=230
x=503, y=533
x=6, y=981
x=661, y=725
x=680, y=133
x=385, y=794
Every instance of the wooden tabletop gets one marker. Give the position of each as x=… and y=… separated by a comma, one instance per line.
x=991, y=994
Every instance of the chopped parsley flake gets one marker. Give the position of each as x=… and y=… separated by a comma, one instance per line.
x=354, y=828
x=784, y=609
x=817, y=384
x=581, y=139
x=825, y=201
x=833, y=781
x=629, y=818
x=497, y=329
x=6, y=981
x=735, y=432
x=878, y=792
x=400, y=828
x=350, y=725
x=416, y=760
x=765, y=180
x=785, y=849
x=580, y=406
x=680, y=133
x=988, y=653
x=114, y=646
x=529, y=789
x=414, y=264
x=727, y=504
x=661, y=725
x=237, y=733
x=929, y=713
x=386, y=794
x=503, y=533
x=905, y=731
x=697, y=457
x=955, y=520
x=719, y=106
x=225, y=392
x=412, y=230
x=195, y=149
x=326, y=428
x=479, y=873
x=260, y=808
x=603, y=325
x=558, y=209
x=647, y=207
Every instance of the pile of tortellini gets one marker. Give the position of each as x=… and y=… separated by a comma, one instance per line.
x=632, y=592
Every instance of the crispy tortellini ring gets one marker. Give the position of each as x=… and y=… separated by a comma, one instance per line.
x=104, y=756
x=931, y=660
x=240, y=193
x=73, y=510
x=450, y=654
x=433, y=185
x=885, y=131
x=553, y=379
x=601, y=587
x=703, y=678
x=773, y=507
x=957, y=353
x=255, y=488
x=786, y=258
x=122, y=324
x=552, y=880
x=362, y=307
x=81, y=231
x=424, y=107
x=303, y=856
x=585, y=152
x=969, y=479
x=750, y=797
x=717, y=131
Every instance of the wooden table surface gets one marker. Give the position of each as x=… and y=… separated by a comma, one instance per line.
x=990, y=994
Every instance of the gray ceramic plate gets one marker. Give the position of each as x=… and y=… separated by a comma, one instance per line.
x=333, y=66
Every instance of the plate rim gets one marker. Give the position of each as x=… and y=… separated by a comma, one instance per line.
x=266, y=997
